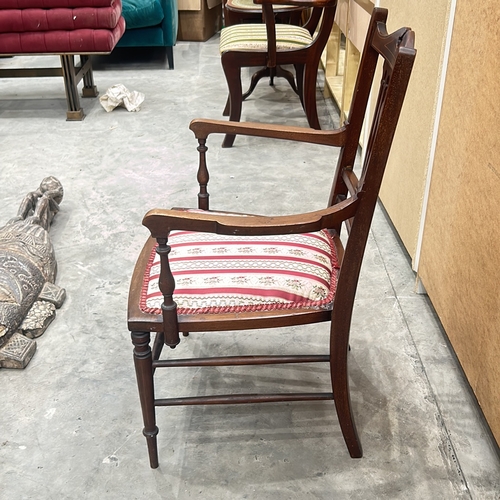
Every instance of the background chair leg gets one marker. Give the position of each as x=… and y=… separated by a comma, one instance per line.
x=309, y=97
x=144, y=371
x=299, y=76
x=233, y=78
x=227, y=107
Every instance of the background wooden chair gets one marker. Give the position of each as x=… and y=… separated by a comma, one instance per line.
x=272, y=46
x=193, y=273
x=246, y=11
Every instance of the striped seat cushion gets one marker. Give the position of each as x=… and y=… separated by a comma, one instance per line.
x=252, y=37
x=216, y=273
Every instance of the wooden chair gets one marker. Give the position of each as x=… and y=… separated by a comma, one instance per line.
x=246, y=11
x=272, y=46
x=211, y=271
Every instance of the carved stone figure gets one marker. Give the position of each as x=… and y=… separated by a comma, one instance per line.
x=28, y=295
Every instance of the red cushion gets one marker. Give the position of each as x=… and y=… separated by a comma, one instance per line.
x=82, y=41
x=215, y=273
x=51, y=4
x=21, y=20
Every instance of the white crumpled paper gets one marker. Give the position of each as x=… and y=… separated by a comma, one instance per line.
x=119, y=95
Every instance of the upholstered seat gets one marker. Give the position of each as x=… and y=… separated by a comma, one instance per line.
x=253, y=37
x=66, y=28
x=87, y=41
x=215, y=273
x=41, y=19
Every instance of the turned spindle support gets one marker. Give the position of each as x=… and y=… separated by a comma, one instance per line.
x=203, y=176
x=167, y=287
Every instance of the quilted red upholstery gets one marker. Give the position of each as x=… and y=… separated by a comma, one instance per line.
x=80, y=41
x=53, y=4
x=21, y=20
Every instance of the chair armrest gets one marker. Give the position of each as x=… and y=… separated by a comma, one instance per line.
x=202, y=128
x=161, y=221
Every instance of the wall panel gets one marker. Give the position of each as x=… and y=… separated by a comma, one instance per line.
x=404, y=182
x=459, y=264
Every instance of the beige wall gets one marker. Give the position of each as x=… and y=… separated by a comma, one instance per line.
x=404, y=182
x=459, y=263
x=458, y=255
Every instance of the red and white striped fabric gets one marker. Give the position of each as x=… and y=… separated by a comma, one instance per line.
x=217, y=273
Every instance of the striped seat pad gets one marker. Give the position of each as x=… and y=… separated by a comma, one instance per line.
x=221, y=274
x=253, y=37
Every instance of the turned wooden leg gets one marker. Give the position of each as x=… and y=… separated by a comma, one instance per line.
x=143, y=362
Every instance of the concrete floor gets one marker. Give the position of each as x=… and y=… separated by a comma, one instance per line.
x=70, y=423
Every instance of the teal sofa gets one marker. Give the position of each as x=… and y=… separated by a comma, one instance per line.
x=150, y=23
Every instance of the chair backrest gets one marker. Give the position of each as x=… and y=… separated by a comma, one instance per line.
x=397, y=54
x=322, y=12
x=352, y=199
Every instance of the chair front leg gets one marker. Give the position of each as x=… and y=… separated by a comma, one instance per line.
x=232, y=70
x=143, y=362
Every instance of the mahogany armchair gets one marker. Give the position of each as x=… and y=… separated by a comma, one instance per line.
x=203, y=271
x=272, y=46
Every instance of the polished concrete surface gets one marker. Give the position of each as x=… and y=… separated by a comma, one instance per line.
x=70, y=423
